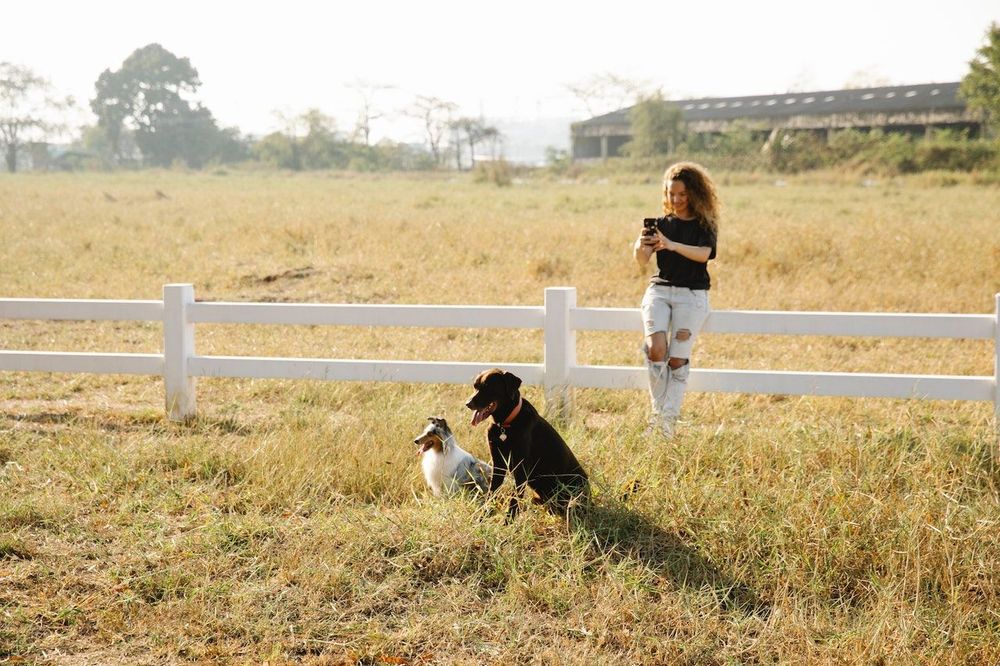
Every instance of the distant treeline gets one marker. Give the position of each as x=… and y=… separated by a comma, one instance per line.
x=280, y=150
x=852, y=150
x=882, y=152
x=145, y=118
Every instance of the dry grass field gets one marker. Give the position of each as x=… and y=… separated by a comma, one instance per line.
x=289, y=522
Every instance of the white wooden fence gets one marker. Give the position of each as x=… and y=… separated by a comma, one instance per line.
x=559, y=317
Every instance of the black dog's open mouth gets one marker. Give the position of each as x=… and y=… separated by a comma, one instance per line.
x=481, y=415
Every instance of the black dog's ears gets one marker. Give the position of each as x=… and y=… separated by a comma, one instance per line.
x=511, y=383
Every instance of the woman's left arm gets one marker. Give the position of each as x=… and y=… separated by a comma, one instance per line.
x=699, y=253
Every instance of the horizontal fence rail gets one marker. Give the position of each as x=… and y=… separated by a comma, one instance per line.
x=844, y=384
x=418, y=372
x=80, y=310
x=424, y=316
x=559, y=318
x=761, y=322
x=106, y=364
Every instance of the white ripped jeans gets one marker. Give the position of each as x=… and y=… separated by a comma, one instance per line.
x=671, y=310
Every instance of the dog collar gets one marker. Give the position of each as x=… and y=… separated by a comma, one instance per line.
x=513, y=414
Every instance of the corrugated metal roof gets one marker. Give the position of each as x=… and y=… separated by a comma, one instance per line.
x=921, y=97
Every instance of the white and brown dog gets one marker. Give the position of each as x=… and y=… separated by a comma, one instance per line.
x=448, y=467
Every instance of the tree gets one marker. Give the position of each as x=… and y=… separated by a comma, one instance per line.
x=435, y=114
x=27, y=102
x=981, y=86
x=308, y=140
x=475, y=130
x=657, y=127
x=494, y=138
x=277, y=150
x=367, y=92
x=456, y=142
x=320, y=137
x=181, y=134
x=147, y=96
x=112, y=107
x=320, y=147
x=231, y=145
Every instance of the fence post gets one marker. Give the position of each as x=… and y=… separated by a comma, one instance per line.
x=178, y=347
x=996, y=369
x=560, y=350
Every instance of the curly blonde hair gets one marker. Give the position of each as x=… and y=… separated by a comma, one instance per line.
x=702, y=198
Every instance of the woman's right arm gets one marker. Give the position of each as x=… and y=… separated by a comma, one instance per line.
x=642, y=249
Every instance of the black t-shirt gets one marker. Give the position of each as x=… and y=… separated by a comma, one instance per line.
x=679, y=271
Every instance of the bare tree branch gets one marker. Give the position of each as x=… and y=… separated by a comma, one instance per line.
x=606, y=92
x=369, y=112
x=436, y=115
x=27, y=105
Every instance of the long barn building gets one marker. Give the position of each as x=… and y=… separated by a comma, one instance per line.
x=914, y=109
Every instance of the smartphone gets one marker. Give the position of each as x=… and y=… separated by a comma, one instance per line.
x=648, y=226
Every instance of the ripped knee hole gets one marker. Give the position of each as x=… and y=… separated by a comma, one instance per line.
x=683, y=334
x=676, y=363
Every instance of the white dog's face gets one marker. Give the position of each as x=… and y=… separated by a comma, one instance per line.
x=436, y=435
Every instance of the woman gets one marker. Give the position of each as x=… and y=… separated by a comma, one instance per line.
x=676, y=300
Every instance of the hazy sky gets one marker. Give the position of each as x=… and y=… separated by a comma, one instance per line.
x=508, y=59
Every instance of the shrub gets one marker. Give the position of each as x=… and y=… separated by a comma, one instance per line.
x=557, y=160
x=656, y=127
x=497, y=172
x=847, y=146
x=892, y=153
x=792, y=152
x=736, y=141
x=950, y=152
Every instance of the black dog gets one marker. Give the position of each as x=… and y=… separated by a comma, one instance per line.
x=524, y=443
